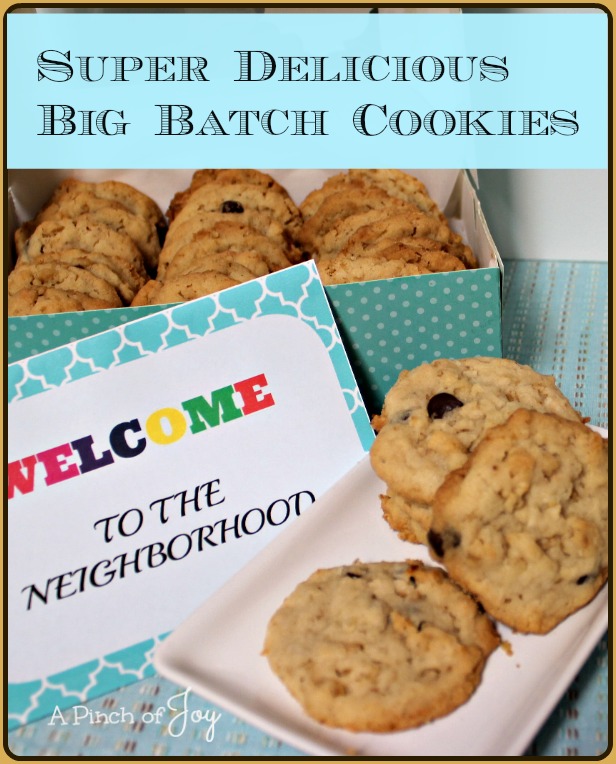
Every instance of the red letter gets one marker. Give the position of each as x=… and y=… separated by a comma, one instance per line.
x=252, y=394
x=17, y=479
x=57, y=467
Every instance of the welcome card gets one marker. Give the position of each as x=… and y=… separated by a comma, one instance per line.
x=149, y=463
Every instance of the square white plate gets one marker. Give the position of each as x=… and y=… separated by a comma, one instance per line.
x=217, y=651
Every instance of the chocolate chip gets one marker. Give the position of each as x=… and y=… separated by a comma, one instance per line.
x=440, y=542
x=582, y=580
x=442, y=403
x=354, y=575
x=231, y=206
x=413, y=581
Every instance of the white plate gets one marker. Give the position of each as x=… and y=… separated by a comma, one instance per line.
x=217, y=651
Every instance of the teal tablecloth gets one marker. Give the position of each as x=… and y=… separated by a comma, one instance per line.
x=556, y=320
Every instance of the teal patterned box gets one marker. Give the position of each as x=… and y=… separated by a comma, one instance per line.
x=386, y=325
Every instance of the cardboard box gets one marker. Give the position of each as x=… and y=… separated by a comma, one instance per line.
x=386, y=325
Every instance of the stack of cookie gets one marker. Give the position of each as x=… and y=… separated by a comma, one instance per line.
x=227, y=227
x=93, y=245
x=486, y=462
x=371, y=224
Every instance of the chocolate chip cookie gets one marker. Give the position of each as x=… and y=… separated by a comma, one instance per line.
x=523, y=524
x=378, y=647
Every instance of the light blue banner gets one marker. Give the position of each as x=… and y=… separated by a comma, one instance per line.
x=307, y=90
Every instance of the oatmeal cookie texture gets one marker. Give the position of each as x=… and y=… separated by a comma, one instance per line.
x=436, y=414
x=387, y=214
x=91, y=246
x=379, y=647
x=524, y=523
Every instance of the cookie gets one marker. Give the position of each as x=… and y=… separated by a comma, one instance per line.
x=134, y=200
x=183, y=288
x=191, y=260
x=433, y=260
x=222, y=176
x=396, y=227
x=524, y=523
x=80, y=233
x=42, y=300
x=234, y=198
x=379, y=647
x=225, y=236
x=364, y=243
x=410, y=519
x=401, y=185
x=117, y=272
x=338, y=207
x=344, y=270
x=335, y=184
x=182, y=233
x=91, y=209
x=69, y=278
x=396, y=183
x=335, y=239
x=436, y=414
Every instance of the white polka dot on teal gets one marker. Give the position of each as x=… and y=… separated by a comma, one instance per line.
x=419, y=293
x=474, y=287
x=349, y=293
x=376, y=290
x=420, y=311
